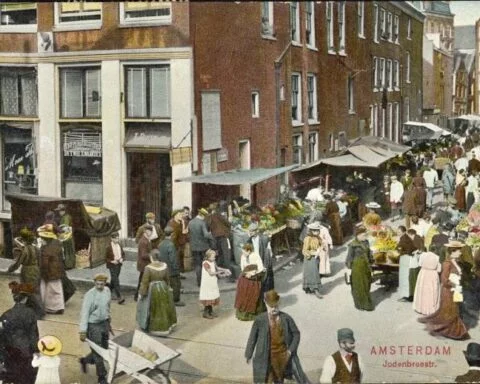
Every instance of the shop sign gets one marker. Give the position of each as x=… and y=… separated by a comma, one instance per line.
x=17, y=158
x=82, y=144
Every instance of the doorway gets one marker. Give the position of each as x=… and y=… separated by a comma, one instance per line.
x=149, y=188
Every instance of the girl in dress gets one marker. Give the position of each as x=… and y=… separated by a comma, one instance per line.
x=209, y=291
x=47, y=361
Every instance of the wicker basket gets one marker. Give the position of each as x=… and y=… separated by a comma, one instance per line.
x=294, y=223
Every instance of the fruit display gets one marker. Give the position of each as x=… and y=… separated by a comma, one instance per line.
x=473, y=216
x=473, y=240
x=463, y=225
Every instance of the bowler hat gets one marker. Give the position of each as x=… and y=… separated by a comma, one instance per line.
x=345, y=334
x=473, y=352
x=49, y=345
x=315, y=226
x=373, y=204
x=168, y=230
x=272, y=298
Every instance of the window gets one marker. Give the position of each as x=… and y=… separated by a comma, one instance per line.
x=383, y=126
x=80, y=92
x=310, y=23
x=342, y=139
x=294, y=21
x=350, y=96
x=18, y=91
x=296, y=98
x=267, y=18
x=390, y=121
x=407, y=109
x=396, y=74
x=361, y=18
x=381, y=83
x=376, y=23
x=370, y=125
x=375, y=73
x=330, y=43
x=341, y=26
x=148, y=91
x=383, y=25
x=312, y=97
x=331, y=140
x=396, y=25
x=389, y=29
x=145, y=12
x=396, y=120
x=211, y=120
x=388, y=77
x=78, y=12
x=375, y=120
x=18, y=17
x=409, y=28
x=312, y=147
x=255, y=104
x=297, y=149
x=407, y=74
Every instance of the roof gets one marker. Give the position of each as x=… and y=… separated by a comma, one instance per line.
x=432, y=132
x=464, y=37
x=439, y=7
x=238, y=176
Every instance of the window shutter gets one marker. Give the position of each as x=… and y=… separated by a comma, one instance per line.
x=136, y=92
x=160, y=92
x=211, y=121
x=72, y=93
x=9, y=94
x=93, y=99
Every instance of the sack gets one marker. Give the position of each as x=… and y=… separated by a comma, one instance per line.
x=348, y=277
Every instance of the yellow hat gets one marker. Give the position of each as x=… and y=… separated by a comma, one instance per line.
x=272, y=298
x=46, y=231
x=100, y=276
x=203, y=211
x=150, y=215
x=49, y=345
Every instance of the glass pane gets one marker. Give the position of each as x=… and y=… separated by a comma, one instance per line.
x=9, y=94
x=72, y=93
x=160, y=92
x=93, y=91
x=136, y=92
x=29, y=95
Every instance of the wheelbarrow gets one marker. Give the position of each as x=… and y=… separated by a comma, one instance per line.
x=121, y=359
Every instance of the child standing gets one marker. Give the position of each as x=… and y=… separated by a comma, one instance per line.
x=48, y=362
x=209, y=291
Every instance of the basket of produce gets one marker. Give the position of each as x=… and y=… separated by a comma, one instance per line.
x=380, y=257
x=393, y=256
x=82, y=259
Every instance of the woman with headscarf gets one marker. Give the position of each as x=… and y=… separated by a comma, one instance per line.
x=358, y=260
x=460, y=183
x=156, y=312
x=446, y=320
x=312, y=247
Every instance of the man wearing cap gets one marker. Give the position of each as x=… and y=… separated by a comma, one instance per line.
x=65, y=226
x=344, y=366
x=114, y=257
x=95, y=324
x=199, y=240
x=143, y=253
x=156, y=233
x=275, y=338
x=472, y=355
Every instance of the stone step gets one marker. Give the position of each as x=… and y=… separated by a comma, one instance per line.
x=130, y=253
x=128, y=242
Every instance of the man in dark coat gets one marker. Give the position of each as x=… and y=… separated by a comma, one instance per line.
x=472, y=355
x=274, y=338
x=409, y=205
x=156, y=233
x=200, y=239
x=143, y=254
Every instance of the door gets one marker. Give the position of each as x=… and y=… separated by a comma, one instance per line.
x=150, y=188
x=244, y=159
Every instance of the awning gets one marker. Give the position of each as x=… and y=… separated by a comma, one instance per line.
x=148, y=138
x=468, y=117
x=423, y=131
x=238, y=176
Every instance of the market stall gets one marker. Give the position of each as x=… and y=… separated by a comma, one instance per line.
x=92, y=226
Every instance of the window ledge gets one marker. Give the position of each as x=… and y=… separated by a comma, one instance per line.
x=331, y=52
x=139, y=24
x=25, y=28
x=375, y=89
x=362, y=37
x=255, y=116
x=312, y=48
x=76, y=27
x=297, y=124
x=296, y=43
x=269, y=37
x=408, y=81
x=376, y=41
x=352, y=112
x=6, y=215
x=342, y=53
x=313, y=122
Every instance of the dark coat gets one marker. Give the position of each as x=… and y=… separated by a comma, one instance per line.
x=143, y=255
x=410, y=202
x=109, y=256
x=168, y=254
x=199, y=235
x=472, y=376
x=141, y=231
x=405, y=245
x=51, y=261
x=259, y=341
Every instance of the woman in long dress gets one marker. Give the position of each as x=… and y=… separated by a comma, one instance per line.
x=358, y=260
x=446, y=320
x=249, y=301
x=332, y=213
x=426, y=298
x=312, y=247
x=460, y=183
x=156, y=312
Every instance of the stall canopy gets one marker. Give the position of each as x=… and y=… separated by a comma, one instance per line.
x=238, y=176
x=366, y=151
x=29, y=211
x=417, y=131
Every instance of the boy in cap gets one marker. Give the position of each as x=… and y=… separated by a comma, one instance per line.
x=95, y=324
x=115, y=256
x=472, y=355
x=156, y=234
x=344, y=366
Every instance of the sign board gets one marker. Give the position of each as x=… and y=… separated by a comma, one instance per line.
x=82, y=144
x=180, y=155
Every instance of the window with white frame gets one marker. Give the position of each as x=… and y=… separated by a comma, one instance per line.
x=409, y=28
x=312, y=146
x=341, y=25
x=297, y=149
x=296, y=98
x=267, y=18
x=407, y=74
x=361, y=18
x=18, y=17
x=383, y=126
x=375, y=73
x=80, y=92
x=255, y=104
x=370, y=125
x=331, y=141
x=382, y=73
x=397, y=122
x=396, y=74
x=312, y=97
x=388, y=76
x=406, y=108
x=376, y=23
x=383, y=23
x=390, y=121
x=310, y=23
x=148, y=91
x=375, y=119
x=396, y=28
x=350, y=94
x=145, y=12
x=78, y=12
x=389, y=29
x=295, y=21
x=18, y=91
x=330, y=41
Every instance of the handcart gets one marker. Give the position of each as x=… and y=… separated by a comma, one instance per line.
x=121, y=359
x=386, y=273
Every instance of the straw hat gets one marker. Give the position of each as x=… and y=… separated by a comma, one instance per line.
x=454, y=244
x=315, y=226
x=203, y=212
x=46, y=231
x=100, y=277
x=272, y=298
x=150, y=215
x=373, y=204
x=49, y=345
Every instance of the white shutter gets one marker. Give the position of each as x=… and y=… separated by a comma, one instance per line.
x=72, y=93
x=211, y=121
x=92, y=83
x=136, y=92
x=160, y=92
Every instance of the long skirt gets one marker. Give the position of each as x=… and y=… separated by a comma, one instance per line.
x=324, y=263
x=461, y=198
x=249, y=301
x=52, y=295
x=156, y=313
x=403, y=272
x=361, y=281
x=427, y=292
x=311, y=278
x=336, y=228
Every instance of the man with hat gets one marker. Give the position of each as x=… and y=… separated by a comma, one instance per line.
x=114, y=257
x=18, y=337
x=143, y=254
x=95, y=324
x=344, y=366
x=65, y=225
x=275, y=338
x=199, y=240
x=156, y=233
x=472, y=355
x=396, y=195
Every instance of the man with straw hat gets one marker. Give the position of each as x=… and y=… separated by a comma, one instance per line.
x=472, y=355
x=274, y=338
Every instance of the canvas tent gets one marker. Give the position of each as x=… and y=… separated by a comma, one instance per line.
x=414, y=131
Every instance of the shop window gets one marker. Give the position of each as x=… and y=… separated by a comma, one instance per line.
x=80, y=92
x=148, y=91
x=145, y=12
x=18, y=91
x=18, y=17
x=19, y=160
x=82, y=163
x=78, y=12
